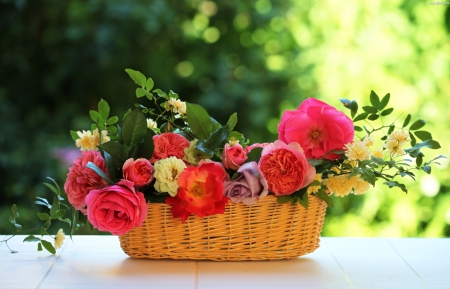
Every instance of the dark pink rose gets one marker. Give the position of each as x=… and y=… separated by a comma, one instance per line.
x=318, y=127
x=116, y=209
x=248, y=187
x=169, y=144
x=81, y=180
x=139, y=171
x=286, y=168
x=233, y=157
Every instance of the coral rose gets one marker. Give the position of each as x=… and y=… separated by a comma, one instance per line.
x=248, y=187
x=139, y=171
x=200, y=192
x=116, y=209
x=318, y=127
x=233, y=157
x=81, y=180
x=167, y=145
x=286, y=168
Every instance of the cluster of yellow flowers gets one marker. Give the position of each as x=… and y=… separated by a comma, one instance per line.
x=91, y=140
x=340, y=184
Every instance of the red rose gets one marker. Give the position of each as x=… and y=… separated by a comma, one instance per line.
x=200, y=192
x=167, y=145
x=116, y=209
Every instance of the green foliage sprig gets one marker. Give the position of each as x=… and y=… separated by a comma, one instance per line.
x=56, y=211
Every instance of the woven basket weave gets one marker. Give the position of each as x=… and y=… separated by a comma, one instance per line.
x=264, y=231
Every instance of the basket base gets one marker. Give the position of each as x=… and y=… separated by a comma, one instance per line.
x=264, y=231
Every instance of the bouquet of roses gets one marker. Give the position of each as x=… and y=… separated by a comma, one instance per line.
x=175, y=153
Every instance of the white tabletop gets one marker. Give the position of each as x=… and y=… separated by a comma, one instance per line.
x=99, y=262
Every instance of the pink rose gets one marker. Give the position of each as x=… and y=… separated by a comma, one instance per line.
x=286, y=168
x=139, y=171
x=318, y=127
x=81, y=180
x=116, y=209
x=233, y=157
x=167, y=145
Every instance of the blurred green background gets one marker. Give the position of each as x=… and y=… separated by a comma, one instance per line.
x=258, y=58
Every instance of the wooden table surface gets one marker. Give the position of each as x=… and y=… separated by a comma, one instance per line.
x=99, y=262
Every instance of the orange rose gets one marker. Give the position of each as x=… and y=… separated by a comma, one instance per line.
x=200, y=192
x=286, y=168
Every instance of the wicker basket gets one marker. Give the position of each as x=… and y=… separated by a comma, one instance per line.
x=264, y=231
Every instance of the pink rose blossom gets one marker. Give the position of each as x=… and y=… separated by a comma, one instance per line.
x=286, y=168
x=250, y=186
x=167, y=145
x=318, y=127
x=139, y=171
x=81, y=180
x=116, y=209
x=233, y=157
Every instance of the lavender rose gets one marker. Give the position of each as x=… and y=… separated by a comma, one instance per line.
x=248, y=187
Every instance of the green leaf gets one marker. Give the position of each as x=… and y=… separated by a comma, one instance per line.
x=48, y=246
x=39, y=247
x=361, y=116
x=161, y=94
x=53, y=188
x=198, y=120
x=374, y=100
x=137, y=77
x=358, y=128
x=173, y=94
x=392, y=184
x=373, y=116
x=370, y=109
x=66, y=220
x=237, y=136
x=31, y=238
x=391, y=129
x=321, y=194
x=407, y=120
x=115, y=149
x=43, y=216
x=112, y=120
x=58, y=214
x=134, y=128
x=43, y=202
x=217, y=137
x=304, y=200
x=353, y=108
x=232, y=121
x=95, y=116
x=283, y=199
x=427, y=169
x=148, y=146
x=99, y=172
x=418, y=124
x=387, y=111
x=419, y=160
x=103, y=109
x=254, y=155
x=384, y=102
x=149, y=84
x=432, y=144
x=204, y=148
x=55, y=206
x=413, y=139
x=140, y=92
x=74, y=135
x=423, y=135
